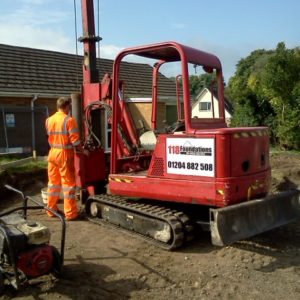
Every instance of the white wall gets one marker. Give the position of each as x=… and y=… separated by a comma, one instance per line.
x=205, y=96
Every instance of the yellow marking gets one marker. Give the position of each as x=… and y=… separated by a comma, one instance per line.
x=125, y=180
x=249, y=193
x=221, y=192
x=245, y=134
x=254, y=187
x=128, y=180
x=251, y=134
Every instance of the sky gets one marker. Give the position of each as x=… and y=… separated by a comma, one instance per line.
x=230, y=29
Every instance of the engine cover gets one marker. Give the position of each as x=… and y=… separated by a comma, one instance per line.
x=36, y=233
x=36, y=261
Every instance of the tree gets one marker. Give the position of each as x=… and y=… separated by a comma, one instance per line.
x=280, y=84
x=251, y=108
x=265, y=90
x=199, y=82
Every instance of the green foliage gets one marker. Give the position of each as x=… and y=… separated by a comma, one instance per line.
x=5, y=158
x=288, y=132
x=244, y=116
x=198, y=82
x=29, y=167
x=245, y=92
x=265, y=90
x=279, y=78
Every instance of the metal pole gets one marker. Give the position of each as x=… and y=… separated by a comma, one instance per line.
x=77, y=111
x=33, y=127
x=5, y=131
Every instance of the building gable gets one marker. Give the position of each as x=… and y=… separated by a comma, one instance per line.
x=202, y=107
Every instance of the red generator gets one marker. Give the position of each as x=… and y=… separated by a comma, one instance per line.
x=25, y=250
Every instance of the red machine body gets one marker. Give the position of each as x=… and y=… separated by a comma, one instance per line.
x=196, y=164
x=206, y=163
x=234, y=169
x=217, y=180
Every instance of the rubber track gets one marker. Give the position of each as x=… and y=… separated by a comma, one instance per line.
x=178, y=221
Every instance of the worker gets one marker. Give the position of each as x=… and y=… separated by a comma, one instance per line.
x=64, y=139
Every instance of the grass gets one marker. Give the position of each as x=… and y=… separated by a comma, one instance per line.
x=29, y=167
x=277, y=150
x=21, y=176
x=26, y=168
x=5, y=158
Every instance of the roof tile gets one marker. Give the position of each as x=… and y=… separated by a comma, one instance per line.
x=33, y=70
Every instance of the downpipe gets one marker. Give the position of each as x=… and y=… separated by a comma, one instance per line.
x=35, y=97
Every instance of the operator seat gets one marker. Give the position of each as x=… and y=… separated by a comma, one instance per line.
x=148, y=140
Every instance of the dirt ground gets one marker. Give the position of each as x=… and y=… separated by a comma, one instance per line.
x=101, y=263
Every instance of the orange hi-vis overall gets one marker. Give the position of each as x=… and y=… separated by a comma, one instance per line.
x=63, y=136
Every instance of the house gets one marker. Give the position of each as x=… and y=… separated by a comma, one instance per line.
x=206, y=104
x=31, y=80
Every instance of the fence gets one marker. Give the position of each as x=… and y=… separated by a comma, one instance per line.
x=22, y=129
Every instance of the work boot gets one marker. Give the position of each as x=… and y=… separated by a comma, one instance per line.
x=61, y=213
x=80, y=216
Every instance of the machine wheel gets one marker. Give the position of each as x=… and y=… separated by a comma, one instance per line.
x=57, y=263
x=94, y=210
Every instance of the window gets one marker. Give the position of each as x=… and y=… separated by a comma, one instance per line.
x=10, y=120
x=204, y=106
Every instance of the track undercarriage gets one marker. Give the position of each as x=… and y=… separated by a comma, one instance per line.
x=162, y=226
x=168, y=227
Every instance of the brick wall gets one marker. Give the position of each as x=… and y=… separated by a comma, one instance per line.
x=20, y=135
